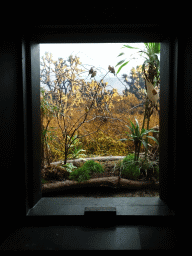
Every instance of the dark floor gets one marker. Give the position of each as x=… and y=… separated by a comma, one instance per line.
x=60, y=224
x=85, y=238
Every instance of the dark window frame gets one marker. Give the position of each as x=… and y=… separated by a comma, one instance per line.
x=81, y=34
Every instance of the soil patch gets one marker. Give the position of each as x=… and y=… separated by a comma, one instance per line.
x=103, y=192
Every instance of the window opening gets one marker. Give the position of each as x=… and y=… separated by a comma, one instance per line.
x=99, y=103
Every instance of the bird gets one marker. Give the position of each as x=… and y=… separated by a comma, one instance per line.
x=86, y=109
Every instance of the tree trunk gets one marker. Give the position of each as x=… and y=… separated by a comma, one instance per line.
x=47, y=156
x=66, y=150
x=114, y=182
x=65, y=159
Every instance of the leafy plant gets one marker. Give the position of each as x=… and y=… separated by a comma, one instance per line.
x=80, y=174
x=156, y=172
x=137, y=136
x=69, y=167
x=83, y=173
x=152, y=78
x=75, y=148
x=150, y=167
x=93, y=166
x=151, y=60
x=129, y=168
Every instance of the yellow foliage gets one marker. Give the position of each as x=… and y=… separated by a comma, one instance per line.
x=109, y=114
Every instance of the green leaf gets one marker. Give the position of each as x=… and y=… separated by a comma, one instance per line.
x=120, y=62
x=153, y=139
x=133, y=128
x=152, y=48
x=151, y=130
x=136, y=122
x=130, y=47
x=121, y=54
x=137, y=127
x=135, y=137
x=122, y=66
x=137, y=132
x=142, y=131
x=148, y=131
x=122, y=139
x=144, y=143
x=80, y=150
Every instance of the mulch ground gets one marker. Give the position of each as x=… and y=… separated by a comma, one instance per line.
x=103, y=192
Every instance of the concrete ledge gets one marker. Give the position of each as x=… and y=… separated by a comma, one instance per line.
x=135, y=206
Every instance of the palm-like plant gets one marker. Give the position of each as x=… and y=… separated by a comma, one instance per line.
x=152, y=79
x=151, y=60
x=74, y=148
x=138, y=137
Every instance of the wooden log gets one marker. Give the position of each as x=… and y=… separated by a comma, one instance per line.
x=97, y=158
x=113, y=182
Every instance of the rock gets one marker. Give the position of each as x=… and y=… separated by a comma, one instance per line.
x=63, y=172
x=78, y=163
x=54, y=173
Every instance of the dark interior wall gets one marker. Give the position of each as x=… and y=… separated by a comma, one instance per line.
x=168, y=118
x=32, y=130
x=19, y=130
x=185, y=118
x=12, y=177
x=31, y=86
x=26, y=151
x=97, y=33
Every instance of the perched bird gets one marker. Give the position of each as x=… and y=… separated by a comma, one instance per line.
x=111, y=69
x=86, y=109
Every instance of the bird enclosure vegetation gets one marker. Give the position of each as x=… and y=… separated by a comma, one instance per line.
x=81, y=119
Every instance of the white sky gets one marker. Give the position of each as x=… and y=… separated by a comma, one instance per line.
x=99, y=55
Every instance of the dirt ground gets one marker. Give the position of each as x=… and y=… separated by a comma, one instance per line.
x=108, y=193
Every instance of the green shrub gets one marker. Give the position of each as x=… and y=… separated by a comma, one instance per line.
x=129, y=169
x=93, y=166
x=150, y=165
x=129, y=157
x=83, y=173
x=80, y=174
x=156, y=172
